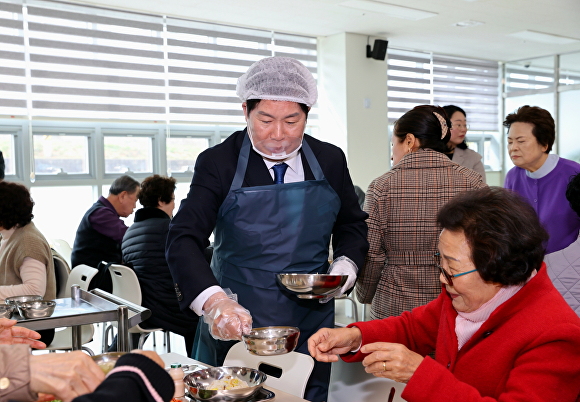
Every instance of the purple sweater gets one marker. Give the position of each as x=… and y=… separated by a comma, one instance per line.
x=548, y=197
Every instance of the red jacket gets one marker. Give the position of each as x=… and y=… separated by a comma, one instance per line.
x=528, y=350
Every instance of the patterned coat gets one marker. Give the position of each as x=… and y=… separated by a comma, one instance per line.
x=400, y=272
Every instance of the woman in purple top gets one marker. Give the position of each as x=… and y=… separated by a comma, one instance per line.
x=540, y=177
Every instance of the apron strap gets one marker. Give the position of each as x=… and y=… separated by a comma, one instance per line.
x=312, y=161
x=245, y=153
x=242, y=164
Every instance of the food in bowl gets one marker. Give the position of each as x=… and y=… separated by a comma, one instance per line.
x=199, y=382
x=311, y=286
x=227, y=383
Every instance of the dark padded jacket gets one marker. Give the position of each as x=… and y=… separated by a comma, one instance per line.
x=143, y=249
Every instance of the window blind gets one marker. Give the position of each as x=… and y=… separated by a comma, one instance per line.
x=470, y=84
x=12, y=61
x=408, y=81
x=94, y=62
x=204, y=63
x=75, y=61
x=416, y=78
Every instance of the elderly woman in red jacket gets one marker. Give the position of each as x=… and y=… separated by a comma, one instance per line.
x=500, y=329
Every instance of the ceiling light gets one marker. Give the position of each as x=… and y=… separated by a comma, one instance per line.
x=388, y=9
x=468, y=23
x=541, y=37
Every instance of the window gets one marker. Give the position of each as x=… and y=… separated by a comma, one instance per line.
x=532, y=75
x=416, y=78
x=7, y=148
x=59, y=210
x=58, y=153
x=182, y=152
x=128, y=154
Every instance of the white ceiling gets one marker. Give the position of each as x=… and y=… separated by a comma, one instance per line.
x=437, y=34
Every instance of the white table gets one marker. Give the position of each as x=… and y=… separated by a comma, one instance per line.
x=281, y=396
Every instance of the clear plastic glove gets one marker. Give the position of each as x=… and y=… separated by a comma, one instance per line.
x=227, y=319
x=342, y=266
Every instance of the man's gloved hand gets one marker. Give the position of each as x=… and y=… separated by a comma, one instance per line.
x=227, y=319
x=342, y=266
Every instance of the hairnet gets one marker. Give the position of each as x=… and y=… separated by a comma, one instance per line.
x=278, y=78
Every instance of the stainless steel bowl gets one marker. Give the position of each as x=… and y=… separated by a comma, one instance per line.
x=311, y=286
x=271, y=341
x=15, y=300
x=6, y=310
x=36, y=309
x=197, y=382
x=106, y=361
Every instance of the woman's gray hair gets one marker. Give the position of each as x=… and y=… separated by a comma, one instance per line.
x=124, y=183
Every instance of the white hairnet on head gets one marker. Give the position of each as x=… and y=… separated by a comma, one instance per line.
x=278, y=78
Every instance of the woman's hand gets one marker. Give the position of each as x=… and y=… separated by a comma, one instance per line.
x=65, y=375
x=9, y=334
x=390, y=360
x=326, y=344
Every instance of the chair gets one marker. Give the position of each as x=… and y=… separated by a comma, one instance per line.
x=288, y=373
x=61, y=272
x=63, y=248
x=350, y=382
x=126, y=286
x=81, y=275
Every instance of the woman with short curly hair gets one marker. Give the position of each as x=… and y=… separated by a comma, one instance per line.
x=26, y=264
x=143, y=248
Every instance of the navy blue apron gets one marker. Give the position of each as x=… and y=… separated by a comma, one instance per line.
x=265, y=230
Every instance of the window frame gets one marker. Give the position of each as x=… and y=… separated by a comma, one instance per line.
x=77, y=131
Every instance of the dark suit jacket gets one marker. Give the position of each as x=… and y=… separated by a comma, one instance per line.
x=214, y=171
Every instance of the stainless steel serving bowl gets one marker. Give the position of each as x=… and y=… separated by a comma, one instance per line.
x=312, y=286
x=106, y=361
x=6, y=310
x=197, y=382
x=15, y=300
x=271, y=341
x=36, y=308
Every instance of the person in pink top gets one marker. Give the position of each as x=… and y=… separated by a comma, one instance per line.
x=500, y=330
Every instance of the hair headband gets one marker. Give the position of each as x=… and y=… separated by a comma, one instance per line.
x=443, y=124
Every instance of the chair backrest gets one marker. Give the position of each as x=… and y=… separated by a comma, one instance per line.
x=125, y=283
x=61, y=247
x=61, y=272
x=293, y=368
x=350, y=382
x=80, y=275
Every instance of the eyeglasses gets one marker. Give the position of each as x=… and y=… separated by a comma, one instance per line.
x=460, y=126
x=448, y=277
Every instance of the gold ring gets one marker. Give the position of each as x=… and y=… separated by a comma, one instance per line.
x=384, y=366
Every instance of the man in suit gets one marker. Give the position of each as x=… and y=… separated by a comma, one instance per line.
x=274, y=197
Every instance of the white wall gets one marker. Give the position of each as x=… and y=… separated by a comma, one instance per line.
x=353, y=96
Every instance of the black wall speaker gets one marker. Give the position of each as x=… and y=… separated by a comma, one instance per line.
x=379, y=50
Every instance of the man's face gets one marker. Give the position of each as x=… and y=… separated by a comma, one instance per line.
x=128, y=202
x=276, y=127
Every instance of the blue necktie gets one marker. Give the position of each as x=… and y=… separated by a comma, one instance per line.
x=279, y=171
